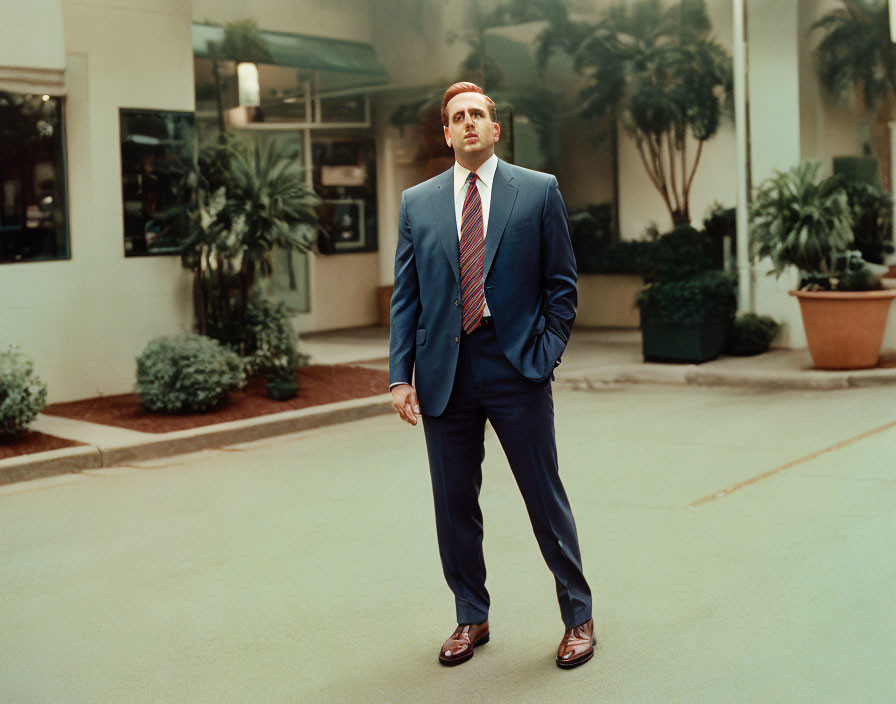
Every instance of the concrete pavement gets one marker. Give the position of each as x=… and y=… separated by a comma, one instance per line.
x=595, y=358
x=739, y=543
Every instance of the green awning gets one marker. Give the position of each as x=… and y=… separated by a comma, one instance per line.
x=339, y=63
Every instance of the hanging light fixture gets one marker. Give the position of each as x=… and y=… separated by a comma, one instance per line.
x=247, y=81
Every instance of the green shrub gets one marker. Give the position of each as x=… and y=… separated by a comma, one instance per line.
x=752, y=334
x=704, y=297
x=187, y=373
x=22, y=393
x=677, y=255
x=872, y=219
x=271, y=340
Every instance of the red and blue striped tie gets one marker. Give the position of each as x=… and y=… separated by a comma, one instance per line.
x=472, y=255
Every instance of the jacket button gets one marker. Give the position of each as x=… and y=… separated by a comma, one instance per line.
x=456, y=338
x=456, y=304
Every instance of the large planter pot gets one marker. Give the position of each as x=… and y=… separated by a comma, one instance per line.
x=845, y=329
x=667, y=342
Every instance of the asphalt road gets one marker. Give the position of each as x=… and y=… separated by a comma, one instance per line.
x=740, y=545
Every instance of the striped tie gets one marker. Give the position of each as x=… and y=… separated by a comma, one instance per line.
x=472, y=254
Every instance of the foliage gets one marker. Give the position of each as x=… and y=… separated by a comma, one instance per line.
x=655, y=68
x=22, y=393
x=596, y=249
x=187, y=373
x=710, y=296
x=251, y=198
x=872, y=219
x=856, y=54
x=801, y=220
x=677, y=255
x=720, y=226
x=752, y=334
x=271, y=340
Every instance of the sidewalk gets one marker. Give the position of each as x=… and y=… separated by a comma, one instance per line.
x=595, y=359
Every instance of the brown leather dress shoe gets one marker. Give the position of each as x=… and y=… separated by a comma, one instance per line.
x=459, y=647
x=577, y=646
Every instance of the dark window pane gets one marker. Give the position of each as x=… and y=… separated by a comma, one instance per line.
x=158, y=173
x=33, y=211
x=345, y=179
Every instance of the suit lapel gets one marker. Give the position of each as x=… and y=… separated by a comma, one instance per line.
x=503, y=197
x=446, y=221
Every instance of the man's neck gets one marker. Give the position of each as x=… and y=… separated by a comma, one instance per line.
x=473, y=165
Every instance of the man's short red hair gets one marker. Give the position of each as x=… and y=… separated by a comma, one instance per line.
x=466, y=87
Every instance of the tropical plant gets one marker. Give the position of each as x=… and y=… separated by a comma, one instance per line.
x=251, y=198
x=857, y=56
x=656, y=69
x=187, y=372
x=802, y=220
x=22, y=393
x=872, y=219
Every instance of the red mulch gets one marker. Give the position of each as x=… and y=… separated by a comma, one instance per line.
x=33, y=441
x=318, y=384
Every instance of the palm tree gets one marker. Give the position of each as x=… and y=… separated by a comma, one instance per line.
x=252, y=198
x=856, y=55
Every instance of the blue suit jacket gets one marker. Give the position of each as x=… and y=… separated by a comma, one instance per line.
x=530, y=281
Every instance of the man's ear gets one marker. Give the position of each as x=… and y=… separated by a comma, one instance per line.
x=447, y=136
x=497, y=131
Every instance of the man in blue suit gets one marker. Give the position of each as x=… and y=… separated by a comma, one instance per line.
x=483, y=304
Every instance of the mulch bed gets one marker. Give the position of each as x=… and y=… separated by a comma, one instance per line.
x=33, y=441
x=318, y=384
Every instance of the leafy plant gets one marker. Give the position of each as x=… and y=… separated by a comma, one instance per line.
x=677, y=255
x=657, y=69
x=187, y=373
x=872, y=219
x=271, y=344
x=857, y=55
x=251, y=198
x=22, y=393
x=801, y=220
x=710, y=296
x=752, y=334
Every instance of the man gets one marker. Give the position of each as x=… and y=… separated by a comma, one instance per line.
x=484, y=299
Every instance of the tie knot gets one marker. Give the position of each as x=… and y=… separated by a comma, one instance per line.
x=471, y=179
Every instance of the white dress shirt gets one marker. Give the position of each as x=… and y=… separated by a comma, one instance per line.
x=486, y=174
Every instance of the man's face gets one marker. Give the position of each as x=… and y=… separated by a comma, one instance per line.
x=470, y=131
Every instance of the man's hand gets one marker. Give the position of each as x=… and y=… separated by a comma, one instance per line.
x=404, y=401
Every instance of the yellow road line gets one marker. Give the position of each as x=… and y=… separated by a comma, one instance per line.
x=765, y=475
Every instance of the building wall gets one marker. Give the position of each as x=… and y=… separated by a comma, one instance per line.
x=337, y=19
x=84, y=320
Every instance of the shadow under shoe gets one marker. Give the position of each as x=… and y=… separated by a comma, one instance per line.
x=459, y=647
x=577, y=646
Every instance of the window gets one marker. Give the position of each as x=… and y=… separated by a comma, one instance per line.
x=33, y=207
x=345, y=179
x=158, y=172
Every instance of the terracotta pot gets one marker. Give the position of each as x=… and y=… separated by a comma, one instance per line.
x=845, y=329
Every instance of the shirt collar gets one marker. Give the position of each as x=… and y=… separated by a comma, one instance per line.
x=486, y=173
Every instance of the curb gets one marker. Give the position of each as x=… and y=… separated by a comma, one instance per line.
x=694, y=375
x=74, y=459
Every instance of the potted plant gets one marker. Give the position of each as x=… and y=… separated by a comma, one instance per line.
x=688, y=307
x=799, y=219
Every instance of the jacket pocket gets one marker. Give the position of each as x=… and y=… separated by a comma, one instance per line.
x=421, y=337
